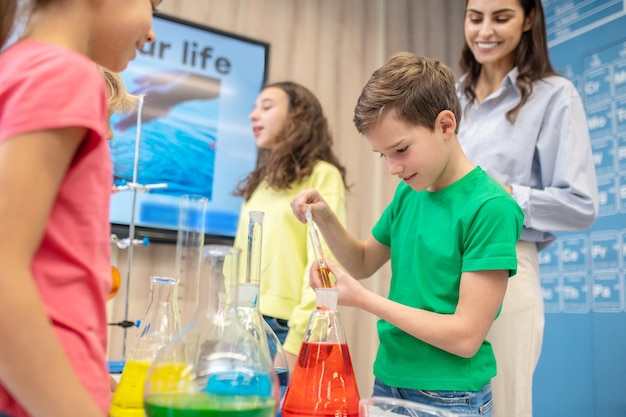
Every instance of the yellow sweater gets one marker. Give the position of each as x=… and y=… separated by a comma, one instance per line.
x=286, y=251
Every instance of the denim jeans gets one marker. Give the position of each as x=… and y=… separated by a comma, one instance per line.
x=279, y=326
x=474, y=403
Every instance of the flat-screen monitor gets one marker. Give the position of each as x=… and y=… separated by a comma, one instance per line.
x=199, y=85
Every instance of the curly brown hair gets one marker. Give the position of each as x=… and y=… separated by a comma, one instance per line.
x=531, y=58
x=304, y=139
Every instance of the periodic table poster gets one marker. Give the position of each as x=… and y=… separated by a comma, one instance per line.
x=582, y=369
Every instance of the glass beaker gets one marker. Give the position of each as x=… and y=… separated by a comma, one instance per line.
x=214, y=367
x=393, y=407
x=323, y=382
x=159, y=325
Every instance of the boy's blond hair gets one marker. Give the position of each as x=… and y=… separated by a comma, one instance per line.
x=119, y=100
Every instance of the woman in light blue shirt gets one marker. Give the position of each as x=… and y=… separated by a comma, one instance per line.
x=526, y=126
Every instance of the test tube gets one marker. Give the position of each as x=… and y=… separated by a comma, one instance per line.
x=255, y=236
x=317, y=248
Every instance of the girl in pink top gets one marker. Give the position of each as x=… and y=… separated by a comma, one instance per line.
x=55, y=182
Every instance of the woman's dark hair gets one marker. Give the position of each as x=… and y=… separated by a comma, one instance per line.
x=303, y=140
x=531, y=58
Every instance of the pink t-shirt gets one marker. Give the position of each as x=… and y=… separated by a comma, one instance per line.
x=45, y=87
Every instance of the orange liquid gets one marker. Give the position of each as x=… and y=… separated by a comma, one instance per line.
x=323, y=383
x=326, y=283
x=116, y=281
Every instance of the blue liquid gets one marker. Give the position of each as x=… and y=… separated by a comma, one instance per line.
x=239, y=383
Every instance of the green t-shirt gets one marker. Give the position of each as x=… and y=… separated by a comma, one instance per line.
x=471, y=225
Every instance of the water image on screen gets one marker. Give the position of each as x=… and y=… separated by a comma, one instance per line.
x=198, y=87
x=180, y=115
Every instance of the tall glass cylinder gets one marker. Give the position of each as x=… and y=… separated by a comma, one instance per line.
x=189, y=244
x=249, y=299
x=214, y=367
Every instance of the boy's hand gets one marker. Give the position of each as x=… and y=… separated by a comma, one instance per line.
x=309, y=197
x=350, y=290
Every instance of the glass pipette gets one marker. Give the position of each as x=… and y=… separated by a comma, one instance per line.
x=317, y=248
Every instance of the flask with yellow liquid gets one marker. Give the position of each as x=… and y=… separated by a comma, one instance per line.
x=214, y=367
x=160, y=323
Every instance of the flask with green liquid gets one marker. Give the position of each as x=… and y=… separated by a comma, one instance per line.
x=214, y=367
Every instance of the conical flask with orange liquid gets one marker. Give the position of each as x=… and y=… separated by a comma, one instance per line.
x=323, y=382
x=159, y=325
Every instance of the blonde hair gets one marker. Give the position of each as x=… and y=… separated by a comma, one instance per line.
x=119, y=100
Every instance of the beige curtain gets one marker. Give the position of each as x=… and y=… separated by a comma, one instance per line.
x=332, y=47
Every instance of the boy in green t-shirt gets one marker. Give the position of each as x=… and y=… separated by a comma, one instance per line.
x=450, y=232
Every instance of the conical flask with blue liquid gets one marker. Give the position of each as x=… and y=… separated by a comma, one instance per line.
x=213, y=367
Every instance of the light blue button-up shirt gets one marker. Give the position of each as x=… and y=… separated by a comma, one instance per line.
x=545, y=156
